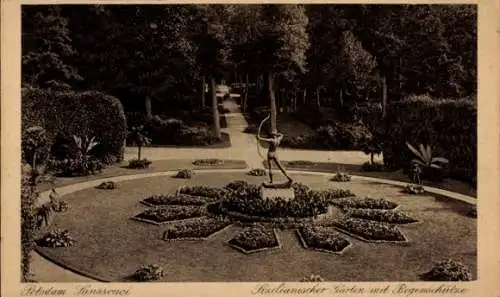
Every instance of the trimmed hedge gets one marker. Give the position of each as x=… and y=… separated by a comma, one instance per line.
x=448, y=126
x=67, y=113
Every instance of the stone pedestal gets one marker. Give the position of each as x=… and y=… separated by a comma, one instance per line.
x=273, y=193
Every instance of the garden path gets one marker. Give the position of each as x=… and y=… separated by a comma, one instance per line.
x=244, y=147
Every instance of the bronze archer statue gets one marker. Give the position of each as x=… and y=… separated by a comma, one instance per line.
x=274, y=143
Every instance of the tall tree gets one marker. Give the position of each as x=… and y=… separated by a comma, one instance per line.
x=47, y=48
x=286, y=42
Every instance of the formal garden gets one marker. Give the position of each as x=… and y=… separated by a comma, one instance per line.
x=137, y=172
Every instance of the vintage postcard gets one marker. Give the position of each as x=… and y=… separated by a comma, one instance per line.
x=250, y=149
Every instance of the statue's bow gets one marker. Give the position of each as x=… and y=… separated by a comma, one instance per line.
x=258, y=134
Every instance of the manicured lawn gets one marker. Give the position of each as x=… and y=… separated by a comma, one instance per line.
x=447, y=184
x=111, y=245
x=157, y=166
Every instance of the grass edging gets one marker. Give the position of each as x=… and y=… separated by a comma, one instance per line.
x=135, y=218
x=242, y=250
x=304, y=244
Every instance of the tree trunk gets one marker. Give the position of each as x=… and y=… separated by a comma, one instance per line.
x=384, y=96
x=371, y=158
x=341, y=97
x=203, y=103
x=245, y=95
x=149, y=113
x=215, y=108
x=272, y=100
x=318, y=103
x=304, y=97
x=139, y=149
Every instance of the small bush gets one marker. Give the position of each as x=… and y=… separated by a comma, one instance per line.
x=414, y=189
x=472, y=212
x=149, y=272
x=312, y=278
x=56, y=238
x=185, y=173
x=372, y=167
x=341, y=177
x=111, y=185
x=448, y=270
x=208, y=162
x=203, y=191
x=257, y=172
x=139, y=164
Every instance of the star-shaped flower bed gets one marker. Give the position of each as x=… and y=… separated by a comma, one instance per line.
x=322, y=239
x=254, y=239
x=199, y=212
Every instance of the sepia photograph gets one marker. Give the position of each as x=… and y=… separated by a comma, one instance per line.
x=248, y=143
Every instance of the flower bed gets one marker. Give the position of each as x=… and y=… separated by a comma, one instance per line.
x=170, y=213
x=56, y=238
x=370, y=230
x=364, y=203
x=448, y=270
x=255, y=238
x=322, y=239
x=208, y=162
x=389, y=216
x=179, y=199
x=299, y=206
x=195, y=229
x=203, y=191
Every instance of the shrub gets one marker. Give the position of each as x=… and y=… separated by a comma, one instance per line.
x=414, y=189
x=449, y=125
x=300, y=188
x=371, y=230
x=341, y=177
x=341, y=136
x=254, y=238
x=389, y=216
x=241, y=187
x=257, y=172
x=448, y=270
x=426, y=163
x=76, y=167
x=149, y=272
x=195, y=228
x=323, y=238
x=185, y=173
x=312, y=278
x=111, y=185
x=138, y=137
x=91, y=113
x=208, y=162
x=372, y=167
x=171, y=213
x=139, y=164
x=29, y=197
x=56, y=238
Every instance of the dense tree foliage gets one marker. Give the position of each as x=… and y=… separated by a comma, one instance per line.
x=325, y=54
